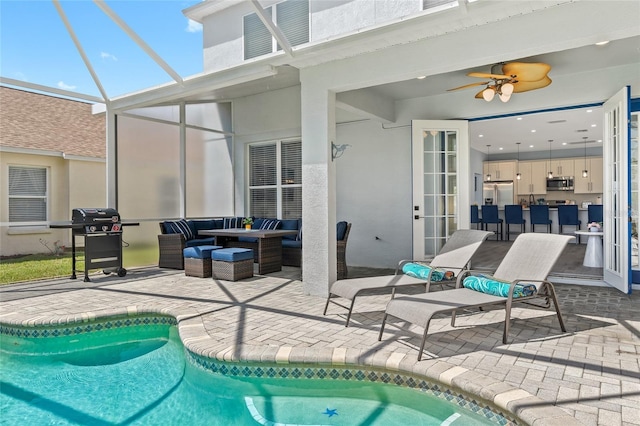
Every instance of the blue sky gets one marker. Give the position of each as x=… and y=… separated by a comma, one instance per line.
x=36, y=47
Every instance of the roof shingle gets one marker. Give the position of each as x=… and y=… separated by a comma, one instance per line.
x=38, y=121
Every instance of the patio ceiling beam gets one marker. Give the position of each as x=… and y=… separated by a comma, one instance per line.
x=48, y=89
x=87, y=63
x=143, y=45
x=272, y=27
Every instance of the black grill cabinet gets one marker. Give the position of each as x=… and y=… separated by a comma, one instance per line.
x=102, y=232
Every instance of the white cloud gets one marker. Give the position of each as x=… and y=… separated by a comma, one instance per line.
x=193, y=27
x=62, y=85
x=105, y=55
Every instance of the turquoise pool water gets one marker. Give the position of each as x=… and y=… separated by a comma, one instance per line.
x=142, y=375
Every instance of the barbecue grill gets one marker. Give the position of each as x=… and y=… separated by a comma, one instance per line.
x=102, y=232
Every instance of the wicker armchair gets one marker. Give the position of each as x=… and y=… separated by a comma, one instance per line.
x=293, y=256
x=342, y=254
x=170, y=247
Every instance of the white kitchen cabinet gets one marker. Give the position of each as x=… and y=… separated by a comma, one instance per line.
x=563, y=167
x=591, y=184
x=534, y=178
x=500, y=170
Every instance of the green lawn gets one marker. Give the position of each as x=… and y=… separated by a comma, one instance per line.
x=41, y=266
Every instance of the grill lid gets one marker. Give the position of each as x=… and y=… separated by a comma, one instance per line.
x=93, y=215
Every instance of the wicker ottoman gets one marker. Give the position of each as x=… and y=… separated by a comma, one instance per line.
x=232, y=264
x=197, y=260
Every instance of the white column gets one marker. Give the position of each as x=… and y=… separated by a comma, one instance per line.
x=112, y=160
x=318, y=189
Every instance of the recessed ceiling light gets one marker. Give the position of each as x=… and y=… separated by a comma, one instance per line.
x=564, y=143
x=422, y=77
x=500, y=149
x=589, y=110
x=519, y=118
x=530, y=146
x=533, y=131
x=599, y=140
x=602, y=43
x=594, y=125
x=481, y=136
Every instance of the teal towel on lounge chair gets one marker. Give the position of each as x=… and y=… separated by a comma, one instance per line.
x=417, y=270
x=497, y=288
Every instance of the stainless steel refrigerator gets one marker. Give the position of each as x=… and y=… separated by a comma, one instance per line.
x=499, y=192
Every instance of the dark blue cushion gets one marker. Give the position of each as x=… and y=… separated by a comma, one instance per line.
x=292, y=243
x=200, y=225
x=232, y=254
x=257, y=223
x=248, y=239
x=199, y=252
x=201, y=241
x=341, y=229
x=289, y=225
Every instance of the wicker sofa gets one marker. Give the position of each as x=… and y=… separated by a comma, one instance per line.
x=175, y=236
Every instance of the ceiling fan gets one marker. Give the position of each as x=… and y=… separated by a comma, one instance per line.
x=516, y=77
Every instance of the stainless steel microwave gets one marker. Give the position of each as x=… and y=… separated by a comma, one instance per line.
x=564, y=183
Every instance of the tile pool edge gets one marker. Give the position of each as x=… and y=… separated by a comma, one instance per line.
x=465, y=385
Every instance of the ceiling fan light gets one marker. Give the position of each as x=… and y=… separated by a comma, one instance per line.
x=488, y=94
x=507, y=89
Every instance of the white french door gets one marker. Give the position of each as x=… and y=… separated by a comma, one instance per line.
x=441, y=179
x=616, y=197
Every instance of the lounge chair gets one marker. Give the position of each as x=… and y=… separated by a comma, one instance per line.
x=454, y=256
x=528, y=262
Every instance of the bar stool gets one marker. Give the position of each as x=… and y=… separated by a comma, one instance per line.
x=490, y=216
x=513, y=216
x=568, y=216
x=475, y=216
x=594, y=212
x=539, y=215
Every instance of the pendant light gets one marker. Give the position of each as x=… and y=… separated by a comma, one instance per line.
x=488, y=175
x=550, y=174
x=585, y=172
x=518, y=174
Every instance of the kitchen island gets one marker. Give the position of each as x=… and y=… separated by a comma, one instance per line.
x=553, y=215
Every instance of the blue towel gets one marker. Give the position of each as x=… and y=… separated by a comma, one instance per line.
x=497, y=288
x=417, y=270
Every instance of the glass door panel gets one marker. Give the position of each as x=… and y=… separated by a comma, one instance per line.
x=438, y=163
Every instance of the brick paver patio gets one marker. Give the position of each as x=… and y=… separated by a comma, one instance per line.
x=589, y=375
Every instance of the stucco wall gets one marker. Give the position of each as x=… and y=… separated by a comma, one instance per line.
x=71, y=184
x=222, y=32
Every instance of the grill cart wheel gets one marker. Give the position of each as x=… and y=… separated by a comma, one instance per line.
x=122, y=272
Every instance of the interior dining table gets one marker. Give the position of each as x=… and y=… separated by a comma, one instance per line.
x=269, y=244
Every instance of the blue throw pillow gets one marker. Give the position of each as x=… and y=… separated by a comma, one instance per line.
x=179, y=227
x=270, y=224
x=232, y=222
x=497, y=288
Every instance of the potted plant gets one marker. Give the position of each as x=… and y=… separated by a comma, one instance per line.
x=247, y=222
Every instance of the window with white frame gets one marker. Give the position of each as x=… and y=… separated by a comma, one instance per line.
x=27, y=194
x=275, y=179
x=291, y=16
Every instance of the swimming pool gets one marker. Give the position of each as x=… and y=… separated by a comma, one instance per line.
x=136, y=371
